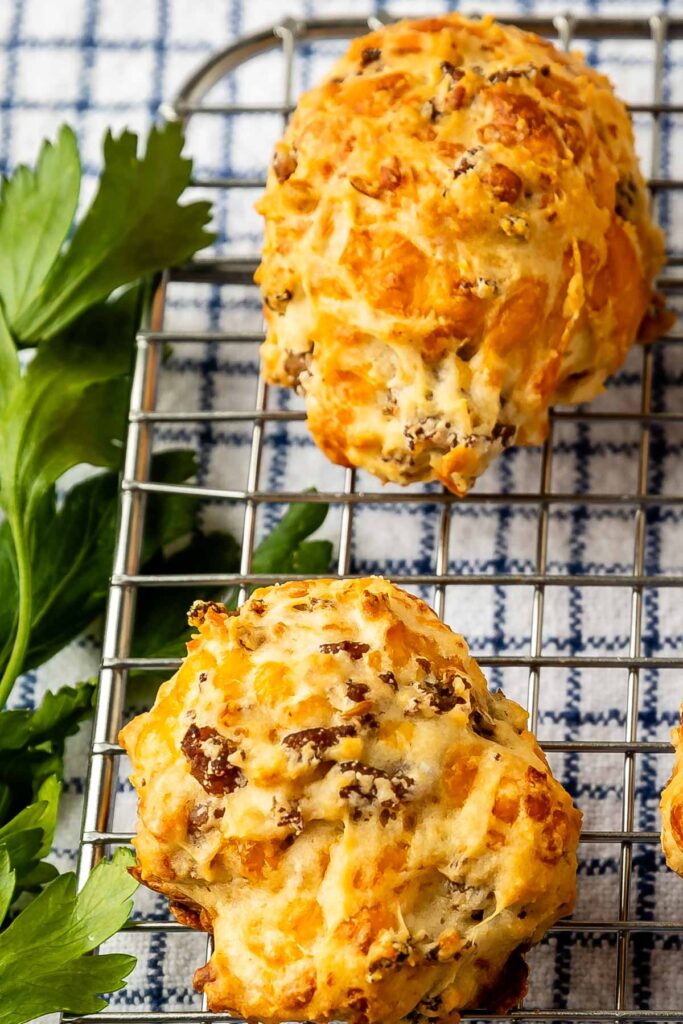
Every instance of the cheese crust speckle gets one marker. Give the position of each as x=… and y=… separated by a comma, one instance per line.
x=457, y=237
x=672, y=806
x=329, y=787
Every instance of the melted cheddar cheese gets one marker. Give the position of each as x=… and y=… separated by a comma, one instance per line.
x=457, y=237
x=672, y=807
x=330, y=788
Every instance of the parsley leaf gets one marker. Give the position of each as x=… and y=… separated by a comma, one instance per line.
x=275, y=554
x=37, y=207
x=52, y=417
x=161, y=615
x=9, y=361
x=64, y=410
x=28, y=836
x=312, y=557
x=21, y=841
x=8, y=877
x=160, y=624
x=55, y=718
x=37, y=877
x=32, y=743
x=62, y=407
x=68, y=406
x=72, y=555
x=43, y=962
x=134, y=228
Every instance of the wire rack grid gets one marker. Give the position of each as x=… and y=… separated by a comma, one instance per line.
x=624, y=926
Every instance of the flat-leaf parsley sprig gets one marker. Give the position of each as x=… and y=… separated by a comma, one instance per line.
x=68, y=406
x=70, y=303
x=44, y=966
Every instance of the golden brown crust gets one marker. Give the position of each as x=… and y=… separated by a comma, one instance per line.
x=672, y=807
x=328, y=785
x=457, y=237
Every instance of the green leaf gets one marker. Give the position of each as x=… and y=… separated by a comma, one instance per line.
x=28, y=836
x=312, y=557
x=9, y=361
x=43, y=963
x=5, y=801
x=49, y=793
x=37, y=207
x=161, y=629
x=7, y=880
x=38, y=876
x=73, y=552
x=24, y=772
x=22, y=844
x=57, y=716
x=275, y=553
x=29, y=820
x=135, y=227
x=68, y=408
x=169, y=518
x=9, y=588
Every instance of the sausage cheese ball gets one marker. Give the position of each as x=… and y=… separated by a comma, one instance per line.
x=457, y=237
x=328, y=786
x=672, y=807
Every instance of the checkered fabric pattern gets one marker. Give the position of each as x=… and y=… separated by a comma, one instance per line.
x=102, y=63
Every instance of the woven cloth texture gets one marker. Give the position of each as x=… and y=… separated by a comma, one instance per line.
x=110, y=63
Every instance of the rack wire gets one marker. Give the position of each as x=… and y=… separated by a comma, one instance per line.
x=100, y=794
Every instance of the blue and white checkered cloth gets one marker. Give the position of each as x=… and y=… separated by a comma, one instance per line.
x=102, y=63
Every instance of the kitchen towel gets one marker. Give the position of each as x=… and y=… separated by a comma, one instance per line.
x=111, y=63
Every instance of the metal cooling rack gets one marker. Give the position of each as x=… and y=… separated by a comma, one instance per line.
x=136, y=485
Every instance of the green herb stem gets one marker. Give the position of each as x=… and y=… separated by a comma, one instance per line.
x=23, y=628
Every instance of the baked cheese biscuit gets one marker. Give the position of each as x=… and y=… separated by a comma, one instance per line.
x=457, y=237
x=330, y=788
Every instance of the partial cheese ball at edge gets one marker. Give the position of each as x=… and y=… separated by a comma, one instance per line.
x=672, y=806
